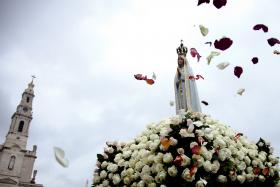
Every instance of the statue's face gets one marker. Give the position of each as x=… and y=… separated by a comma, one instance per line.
x=180, y=62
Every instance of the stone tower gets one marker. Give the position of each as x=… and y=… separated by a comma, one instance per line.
x=16, y=162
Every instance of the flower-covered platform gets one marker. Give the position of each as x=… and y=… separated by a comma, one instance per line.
x=188, y=150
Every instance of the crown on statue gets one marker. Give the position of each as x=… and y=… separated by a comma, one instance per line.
x=182, y=50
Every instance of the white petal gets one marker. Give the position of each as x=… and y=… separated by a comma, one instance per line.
x=223, y=65
x=204, y=31
x=154, y=76
x=59, y=156
x=240, y=91
x=171, y=103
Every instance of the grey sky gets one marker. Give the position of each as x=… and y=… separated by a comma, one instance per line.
x=85, y=53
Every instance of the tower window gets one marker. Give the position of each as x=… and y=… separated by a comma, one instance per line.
x=27, y=99
x=20, y=127
x=12, y=163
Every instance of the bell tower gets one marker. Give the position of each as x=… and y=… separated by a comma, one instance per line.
x=20, y=123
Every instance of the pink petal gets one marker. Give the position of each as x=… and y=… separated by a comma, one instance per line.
x=219, y=3
x=261, y=26
x=223, y=44
x=238, y=71
x=194, y=53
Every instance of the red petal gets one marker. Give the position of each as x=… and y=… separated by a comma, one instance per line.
x=273, y=41
x=178, y=160
x=199, y=76
x=219, y=3
x=196, y=150
x=256, y=170
x=261, y=26
x=150, y=81
x=255, y=60
x=202, y=1
x=265, y=171
x=238, y=71
x=191, y=77
x=195, y=53
x=223, y=43
x=138, y=76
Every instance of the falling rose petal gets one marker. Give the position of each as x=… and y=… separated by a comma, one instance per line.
x=211, y=56
x=255, y=60
x=238, y=71
x=276, y=52
x=210, y=43
x=171, y=103
x=199, y=77
x=219, y=3
x=60, y=157
x=273, y=41
x=223, y=44
x=150, y=81
x=204, y=102
x=240, y=91
x=138, y=76
x=204, y=31
x=154, y=76
x=261, y=26
x=223, y=65
x=191, y=78
x=203, y=1
x=194, y=53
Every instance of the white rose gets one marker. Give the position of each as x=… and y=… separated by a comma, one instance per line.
x=139, y=165
x=167, y=158
x=103, y=174
x=186, y=160
x=116, y=179
x=105, y=183
x=241, y=178
x=152, y=184
x=141, y=184
x=199, y=184
x=126, y=180
x=96, y=179
x=249, y=177
x=112, y=167
x=222, y=179
x=162, y=176
x=207, y=166
x=215, y=166
x=187, y=176
x=173, y=141
x=261, y=178
x=172, y=171
x=104, y=164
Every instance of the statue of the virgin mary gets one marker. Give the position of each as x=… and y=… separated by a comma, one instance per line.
x=186, y=96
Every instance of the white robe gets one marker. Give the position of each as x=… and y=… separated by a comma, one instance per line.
x=186, y=95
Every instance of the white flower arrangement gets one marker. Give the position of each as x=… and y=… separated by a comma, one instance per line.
x=190, y=149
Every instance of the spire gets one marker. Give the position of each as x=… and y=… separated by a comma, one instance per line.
x=19, y=128
x=30, y=86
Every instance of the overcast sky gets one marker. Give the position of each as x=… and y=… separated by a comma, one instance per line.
x=84, y=55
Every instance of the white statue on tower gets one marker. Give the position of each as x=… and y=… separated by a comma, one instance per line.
x=186, y=95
